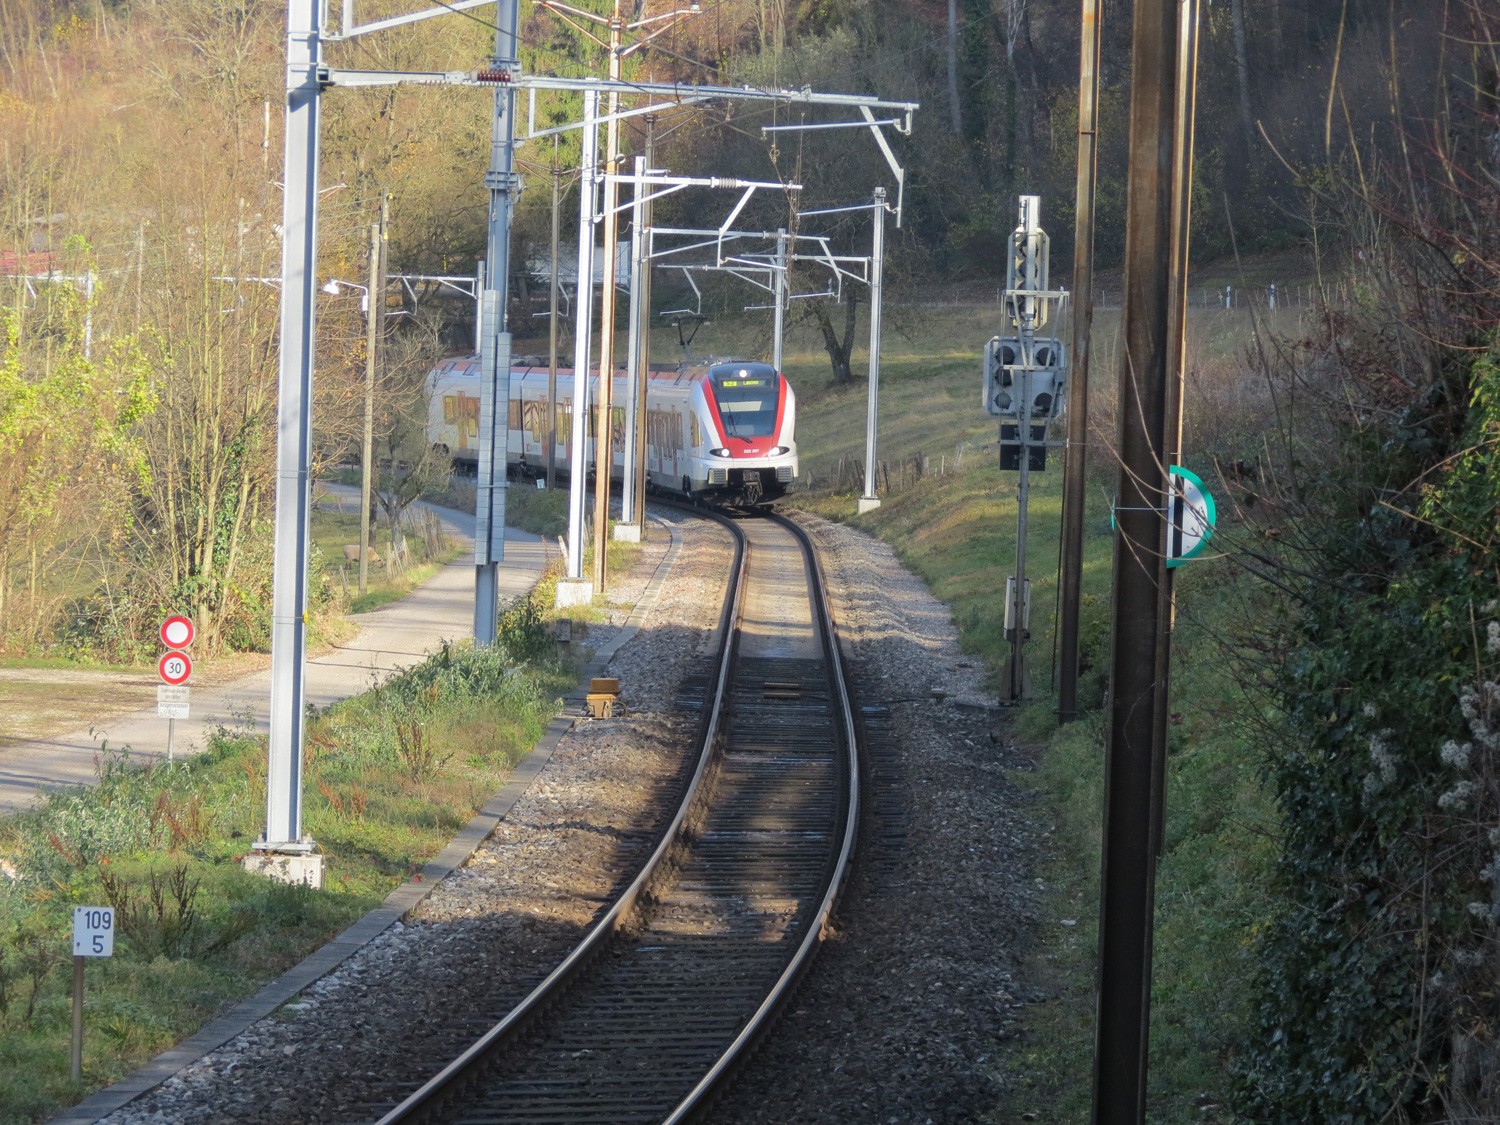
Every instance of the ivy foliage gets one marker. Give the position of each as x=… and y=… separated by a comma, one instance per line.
x=1376, y=995
x=68, y=412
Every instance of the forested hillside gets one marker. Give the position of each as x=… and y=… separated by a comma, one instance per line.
x=140, y=196
x=140, y=143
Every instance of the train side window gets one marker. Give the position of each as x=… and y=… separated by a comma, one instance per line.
x=697, y=432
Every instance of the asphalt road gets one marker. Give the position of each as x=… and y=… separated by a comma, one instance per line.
x=395, y=636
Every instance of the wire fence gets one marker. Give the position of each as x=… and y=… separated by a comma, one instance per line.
x=1272, y=296
x=891, y=476
x=1269, y=297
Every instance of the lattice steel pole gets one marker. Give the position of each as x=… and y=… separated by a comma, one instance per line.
x=299, y=243
x=869, y=501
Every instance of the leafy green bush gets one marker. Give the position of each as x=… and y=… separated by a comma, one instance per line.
x=29, y=952
x=162, y=845
x=76, y=828
x=1376, y=989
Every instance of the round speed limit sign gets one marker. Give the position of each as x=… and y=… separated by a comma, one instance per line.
x=174, y=667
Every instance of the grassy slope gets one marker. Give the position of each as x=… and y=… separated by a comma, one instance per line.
x=956, y=527
x=390, y=776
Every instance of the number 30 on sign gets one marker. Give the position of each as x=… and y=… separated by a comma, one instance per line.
x=174, y=667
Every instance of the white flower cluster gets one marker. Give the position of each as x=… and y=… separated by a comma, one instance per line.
x=1480, y=704
x=1385, y=764
x=1455, y=755
x=1481, y=710
x=1458, y=797
x=1491, y=872
x=1485, y=911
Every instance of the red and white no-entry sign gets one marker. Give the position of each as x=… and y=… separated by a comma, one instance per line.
x=174, y=667
x=177, y=631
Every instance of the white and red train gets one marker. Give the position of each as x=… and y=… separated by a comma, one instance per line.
x=723, y=432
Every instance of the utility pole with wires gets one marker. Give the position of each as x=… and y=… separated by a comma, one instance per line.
x=374, y=334
x=604, y=410
x=1134, y=761
x=495, y=339
x=552, y=326
x=869, y=501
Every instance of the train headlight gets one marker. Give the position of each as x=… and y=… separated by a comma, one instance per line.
x=777, y=451
x=719, y=453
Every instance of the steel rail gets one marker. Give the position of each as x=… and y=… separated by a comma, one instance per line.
x=443, y=1086
x=770, y=757
x=817, y=929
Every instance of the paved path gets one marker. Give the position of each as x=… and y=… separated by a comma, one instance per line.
x=296, y=980
x=395, y=636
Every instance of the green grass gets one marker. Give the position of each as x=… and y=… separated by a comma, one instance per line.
x=541, y=511
x=380, y=798
x=389, y=777
x=955, y=525
x=332, y=530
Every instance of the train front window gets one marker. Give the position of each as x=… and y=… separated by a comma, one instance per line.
x=747, y=401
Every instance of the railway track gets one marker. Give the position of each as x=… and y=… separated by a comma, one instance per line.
x=648, y=1016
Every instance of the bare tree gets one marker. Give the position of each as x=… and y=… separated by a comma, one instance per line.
x=839, y=346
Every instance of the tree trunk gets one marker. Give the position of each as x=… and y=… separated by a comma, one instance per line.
x=1242, y=74
x=838, y=349
x=955, y=111
x=1010, y=18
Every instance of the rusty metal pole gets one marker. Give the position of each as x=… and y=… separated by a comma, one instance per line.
x=604, y=455
x=643, y=353
x=1182, y=194
x=1070, y=581
x=1132, y=765
x=552, y=329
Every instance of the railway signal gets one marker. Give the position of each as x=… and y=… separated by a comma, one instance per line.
x=1015, y=381
x=1047, y=368
x=1024, y=383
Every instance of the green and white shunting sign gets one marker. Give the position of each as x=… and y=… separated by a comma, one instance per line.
x=1191, y=515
